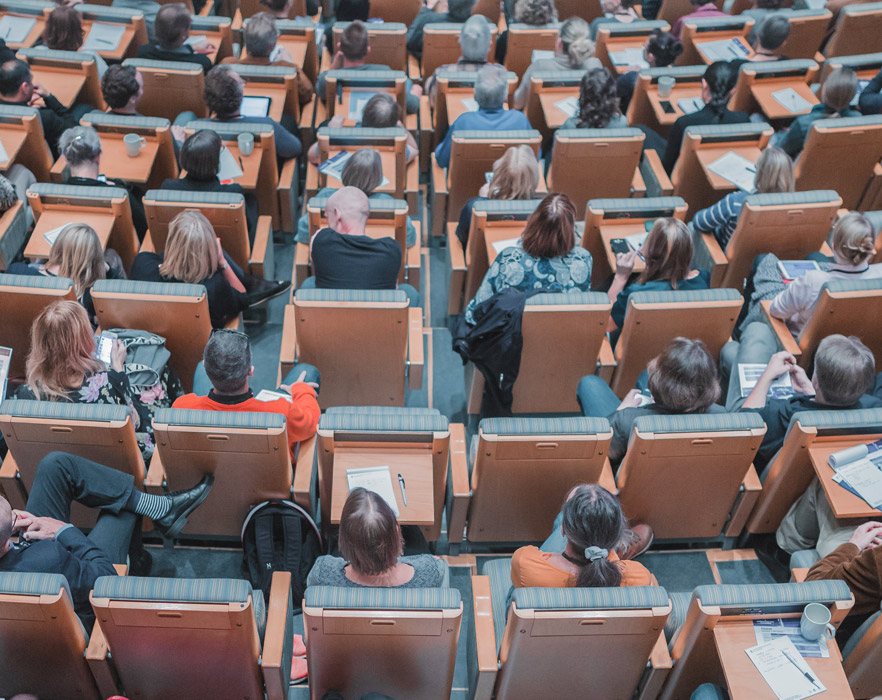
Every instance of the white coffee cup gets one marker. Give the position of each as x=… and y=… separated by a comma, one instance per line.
x=665, y=85
x=815, y=622
x=246, y=144
x=133, y=144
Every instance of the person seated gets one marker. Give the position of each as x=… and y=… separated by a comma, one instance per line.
x=364, y=171
x=345, y=11
x=836, y=95
x=681, y=380
x=193, y=255
x=77, y=255
x=870, y=101
x=598, y=103
x=770, y=36
x=774, y=174
x=260, y=37
x=281, y=9
x=345, y=257
x=593, y=527
x=17, y=88
x=122, y=88
x=763, y=9
x=49, y=544
x=536, y=13
x=515, y=176
x=351, y=54
x=703, y=8
x=200, y=157
x=614, y=12
x=172, y=31
x=474, y=42
x=62, y=366
x=222, y=383
x=717, y=86
x=491, y=91
x=14, y=185
x=546, y=257
x=149, y=8
x=667, y=255
x=573, y=50
x=81, y=148
x=373, y=551
x=660, y=50
x=64, y=32
x=433, y=12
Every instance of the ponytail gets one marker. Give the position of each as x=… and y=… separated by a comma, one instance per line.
x=593, y=524
x=598, y=571
x=720, y=77
x=575, y=37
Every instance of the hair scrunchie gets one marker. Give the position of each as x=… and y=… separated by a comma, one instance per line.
x=594, y=553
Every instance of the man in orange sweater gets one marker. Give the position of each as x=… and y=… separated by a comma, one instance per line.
x=226, y=364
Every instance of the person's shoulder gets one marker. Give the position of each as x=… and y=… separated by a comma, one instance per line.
x=146, y=259
x=21, y=268
x=579, y=253
x=173, y=183
x=190, y=401
x=869, y=401
x=527, y=553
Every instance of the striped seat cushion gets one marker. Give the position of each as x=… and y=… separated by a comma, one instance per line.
x=364, y=296
x=194, y=197
x=769, y=593
x=568, y=298
x=602, y=134
x=544, y=426
x=160, y=289
x=45, y=189
x=362, y=132
x=858, y=285
x=98, y=412
x=674, y=623
x=785, y=198
x=125, y=121
x=339, y=597
x=219, y=419
x=650, y=204
x=34, y=281
x=700, y=423
x=847, y=122
x=163, y=65
x=385, y=422
x=679, y=296
x=384, y=410
x=866, y=419
x=734, y=131
x=179, y=590
x=231, y=128
x=618, y=598
x=17, y=583
x=516, y=135
x=499, y=573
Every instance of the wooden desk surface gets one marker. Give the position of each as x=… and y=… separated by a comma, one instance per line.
x=250, y=164
x=116, y=162
x=387, y=161
x=211, y=37
x=414, y=464
x=843, y=503
x=681, y=91
x=501, y=233
x=616, y=44
x=745, y=681
x=554, y=115
x=38, y=247
x=119, y=51
x=64, y=84
x=762, y=92
x=608, y=233
x=32, y=37
x=707, y=155
x=277, y=95
x=722, y=36
x=12, y=137
x=296, y=46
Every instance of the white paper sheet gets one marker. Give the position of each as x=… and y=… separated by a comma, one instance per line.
x=792, y=101
x=723, y=49
x=786, y=672
x=376, y=479
x=749, y=374
x=228, y=168
x=736, y=169
x=568, y=105
x=470, y=104
x=540, y=54
x=14, y=30
x=499, y=246
x=4, y=156
x=862, y=85
x=5, y=361
x=688, y=105
x=853, y=454
x=772, y=628
x=103, y=37
x=50, y=236
x=628, y=57
x=267, y=395
x=358, y=100
x=636, y=240
x=195, y=39
x=865, y=477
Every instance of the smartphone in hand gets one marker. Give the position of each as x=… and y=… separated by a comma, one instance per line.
x=105, y=346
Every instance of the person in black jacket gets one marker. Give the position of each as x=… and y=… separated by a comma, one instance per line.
x=716, y=89
x=172, y=30
x=122, y=88
x=49, y=544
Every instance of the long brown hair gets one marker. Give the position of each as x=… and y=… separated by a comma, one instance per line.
x=370, y=538
x=592, y=518
x=668, y=252
x=64, y=29
x=550, y=230
x=78, y=255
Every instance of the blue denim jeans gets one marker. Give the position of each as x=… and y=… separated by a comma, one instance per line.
x=202, y=384
x=597, y=400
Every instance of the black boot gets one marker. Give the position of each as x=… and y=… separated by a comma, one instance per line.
x=182, y=504
x=259, y=290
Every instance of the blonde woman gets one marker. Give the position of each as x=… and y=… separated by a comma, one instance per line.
x=774, y=174
x=574, y=50
x=62, y=366
x=515, y=176
x=193, y=254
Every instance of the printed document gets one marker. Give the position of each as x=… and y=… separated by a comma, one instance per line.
x=14, y=30
x=688, y=105
x=792, y=101
x=786, y=672
x=568, y=105
x=736, y=169
x=749, y=374
x=103, y=37
x=358, y=100
x=771, y=629
x=376, y=479
x=629, y=57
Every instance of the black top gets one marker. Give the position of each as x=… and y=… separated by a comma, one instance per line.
x=55, y=118
x=224, y=302
x=190, y=184
x=355, y=262
x=154, y=52
x=136, y=197
x=465, y=220
x=702, y=117
x=870, y=101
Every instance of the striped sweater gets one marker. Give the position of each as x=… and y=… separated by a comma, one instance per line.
x=721, y=218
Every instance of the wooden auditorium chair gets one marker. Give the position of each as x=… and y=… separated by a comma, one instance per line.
x=441, y=46
x=789, y=225
x=170, y=88
x=529, y=643
x=523, y=40
x=698, y=31
x=866, y=65
x=672, y=10
x=388, y=42
x=132, y=21
x=807, y=31
x=24, y=141
x=340, y=84
x=519, y=471
x=857, y=30
x=298, y=35
x=647, y=108
x=27, y=10
x=207, y=637
x=13, y=234
x=71, y=76
x=758, y=82
x=249, y=8
x=279, y=83
x=220, y=32
x=616, y=37
x=401, y=11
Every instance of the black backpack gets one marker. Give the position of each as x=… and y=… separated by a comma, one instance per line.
x=279, y=536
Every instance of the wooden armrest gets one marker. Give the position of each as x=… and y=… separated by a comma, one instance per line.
x=303, y=469
x=458, y=487
x=660, y=665
x=485, y=639
x=718, y=261
x=413, y=262
x=798, y=575
x=415, y=358
x=638, y=185
x=826, y=250
x=458, y=270
x=301, y=267
x=207, y=8
x=439, y=197
x=751, y=489
x=606, y=479
x=307, y=118
x=312, y=183
x=785, y=339
x=155, y=481
x=653, y=171
x=606, y=361
x=276, y=675
x=288, y=194
x=288, y=353
x=100, y=663
x=262, y=263
x=147, y=244
x=413, y=67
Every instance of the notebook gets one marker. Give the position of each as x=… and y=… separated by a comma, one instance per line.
x=376, y=479
x=14, y=30
x=736, y=169
x=103, y=37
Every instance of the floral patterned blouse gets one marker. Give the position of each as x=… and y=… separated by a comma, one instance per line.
x=515, y=268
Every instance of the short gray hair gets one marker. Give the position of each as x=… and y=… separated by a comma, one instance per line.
x=79, y=144
x=227, y=360
x=474, y=38
x=261, y=34
x=491, y=87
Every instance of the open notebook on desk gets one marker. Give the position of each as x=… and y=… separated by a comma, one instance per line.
x=859, y=470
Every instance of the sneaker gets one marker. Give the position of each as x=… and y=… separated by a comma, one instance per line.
x=638, y=539
x=298, y=670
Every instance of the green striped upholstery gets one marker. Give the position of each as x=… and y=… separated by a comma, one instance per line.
x=248, y=71
x=361, y=132
x=507, y=206
x=569, y=298
x=219, y=419
x=160, y=289
x=679, y=296
x=796, y=64
x=648, y=204
x=215, y=22
x=296, y=23
x=516, y=135
x=499, y=573
x=618, y=598
x=735, y=131
x=640, y=26
x=860, y=419
x=864, y=60
x=521, y=27
x=194, y=197
x=563, y=76
x=34, y=55
x=231, y=128
x=388, y=410
x=35, y=281
x=675, y=72
x=679, y=608
x=108, y=14
x=858, y=285
x=384, y=422
x=847, y=122
x=544, y=426
x=22, y=408
x=867, y=7
x=45, y=189
x=30, y=7
x=796, y=14
x=102, y=118
x=804, y=559
x=18, y=583
x=360, y=76
x=379, y=204
x=341, y=598
x=18, y=111
x=700, y=422
x=717, y=22
x=381, y=27
x=811, y=197
x=365, y=296
x=163, y=65
x=461, y=76
x=179, y=590
x=772, y=593
x=598, y=134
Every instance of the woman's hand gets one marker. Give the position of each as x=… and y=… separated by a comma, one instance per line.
x=485, y=190
x=117, y=355
x=867, y=535
x=205, y=47
x=625, y=263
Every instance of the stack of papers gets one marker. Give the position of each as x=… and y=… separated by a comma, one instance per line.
x=749, y=374
x=723, y=49
x=195, y=40
x=568, y=105
x=228, y=168
x=358, y=100
x=376, y=479
x=103, y=37
x=792, y=101
x=688, y=105
x=859, y=470
x=14, y=30
x=736, y=169
x=539, y=54
x=499, y=246
x=267, y=395
x=636, y=240
x=470, y=103
x=50, y=236
x=628, y=57
x=786, y=672
x=771, y=629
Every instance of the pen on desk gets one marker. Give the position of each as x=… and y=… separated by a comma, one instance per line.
x=799, y=668
x=241, y=165
x=403, y=492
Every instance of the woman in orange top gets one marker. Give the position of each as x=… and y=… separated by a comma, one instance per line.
x=593, y=524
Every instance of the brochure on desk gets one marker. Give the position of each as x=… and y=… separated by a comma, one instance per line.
x=859, y=469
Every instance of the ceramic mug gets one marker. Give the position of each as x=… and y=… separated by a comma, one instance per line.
x=665, y=85
x=815, y=622
x=246, y=144
x=133, y=144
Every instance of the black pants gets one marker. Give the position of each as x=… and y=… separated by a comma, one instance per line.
x=63, y=478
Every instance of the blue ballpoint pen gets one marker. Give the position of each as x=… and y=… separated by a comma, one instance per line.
x=799, y=668
x=401, y=486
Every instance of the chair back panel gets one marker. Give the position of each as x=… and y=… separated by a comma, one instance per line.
x=441, y=46
x=863, y=664
x=403, y=11
x=388, y=42
x=170, y=88
x=523, y=39
x=807, y=30
x=857, y=30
